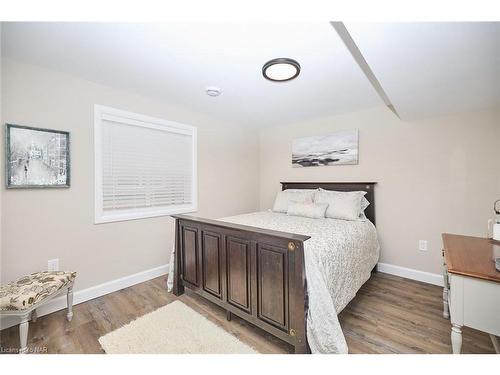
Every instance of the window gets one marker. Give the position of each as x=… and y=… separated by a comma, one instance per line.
x=144, y=166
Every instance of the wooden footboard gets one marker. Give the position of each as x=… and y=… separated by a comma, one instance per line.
x=254, y=273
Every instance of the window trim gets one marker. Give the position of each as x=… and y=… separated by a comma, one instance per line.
x=137, y=119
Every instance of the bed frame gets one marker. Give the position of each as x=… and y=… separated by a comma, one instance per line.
x=256, y=274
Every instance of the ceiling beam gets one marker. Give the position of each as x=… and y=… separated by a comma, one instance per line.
x=360, y=60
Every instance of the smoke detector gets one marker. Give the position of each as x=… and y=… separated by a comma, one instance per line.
x=213, y=91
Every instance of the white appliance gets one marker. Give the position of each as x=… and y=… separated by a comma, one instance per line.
x=496, y=225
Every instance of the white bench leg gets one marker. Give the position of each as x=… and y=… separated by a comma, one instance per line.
x=69, y=298
x=23, y=334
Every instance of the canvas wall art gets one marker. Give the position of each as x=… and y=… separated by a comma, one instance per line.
x=36, y=157
x=332, y=149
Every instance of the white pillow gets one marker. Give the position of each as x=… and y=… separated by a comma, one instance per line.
x=344, y=205
x=312, y=210
x=283, y=198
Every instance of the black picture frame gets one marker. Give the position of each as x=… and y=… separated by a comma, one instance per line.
x=9, y=163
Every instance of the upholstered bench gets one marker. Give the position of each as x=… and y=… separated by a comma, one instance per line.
x=22, y=297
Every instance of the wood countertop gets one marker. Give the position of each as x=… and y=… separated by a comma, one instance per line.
x=471, y=256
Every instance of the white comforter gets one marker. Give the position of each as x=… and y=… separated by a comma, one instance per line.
x=339, y=257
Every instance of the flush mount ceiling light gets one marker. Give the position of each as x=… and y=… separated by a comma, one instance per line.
x=281, y=70
x=213, y=91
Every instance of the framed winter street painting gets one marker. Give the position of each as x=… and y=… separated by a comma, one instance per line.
x=331, y=149
x=36, y=158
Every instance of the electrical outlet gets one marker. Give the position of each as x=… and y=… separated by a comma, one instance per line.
x=53, y=265
x=422, y=245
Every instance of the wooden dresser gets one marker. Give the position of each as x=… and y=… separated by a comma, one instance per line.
x=471, y=294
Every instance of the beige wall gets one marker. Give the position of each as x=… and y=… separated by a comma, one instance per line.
x=437, y=175
x=434, y=176
x=43, y=224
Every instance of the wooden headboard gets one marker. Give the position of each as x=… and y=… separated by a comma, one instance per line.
x=369, y=187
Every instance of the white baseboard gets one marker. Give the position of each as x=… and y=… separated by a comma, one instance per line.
x=79, y=296
x=83, y=295
x=409, y=273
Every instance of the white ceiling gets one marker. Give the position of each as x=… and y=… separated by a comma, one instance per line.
x=430, y=69
x=176, y=62
x=425, y=69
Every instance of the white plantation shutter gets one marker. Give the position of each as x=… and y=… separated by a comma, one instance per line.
x=144, y=166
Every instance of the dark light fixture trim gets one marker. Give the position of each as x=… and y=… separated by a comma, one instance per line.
x=281, y=60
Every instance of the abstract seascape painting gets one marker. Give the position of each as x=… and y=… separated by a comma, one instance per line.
x=332, y=149
x=36, y=157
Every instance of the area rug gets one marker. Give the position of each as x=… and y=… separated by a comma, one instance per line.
x=173, y=329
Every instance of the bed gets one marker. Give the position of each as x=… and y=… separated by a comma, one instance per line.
x=288, y=275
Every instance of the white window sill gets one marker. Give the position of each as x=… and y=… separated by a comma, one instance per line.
x=141, y=214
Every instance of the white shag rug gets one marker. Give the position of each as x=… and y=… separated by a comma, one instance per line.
x=172, y=329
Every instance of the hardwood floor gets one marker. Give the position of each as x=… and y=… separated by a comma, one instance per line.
x=389, y=315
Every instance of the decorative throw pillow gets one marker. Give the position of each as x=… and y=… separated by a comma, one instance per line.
x=283, y=198
x=344, y=205
x=364, y=205
x=312, y=210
